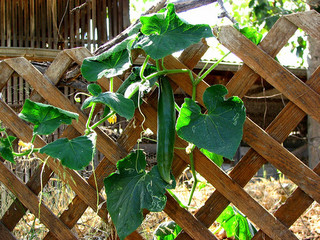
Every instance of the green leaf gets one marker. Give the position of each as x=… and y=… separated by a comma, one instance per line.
x=217, y=159
x=220, y=130
x=76, y=153
x=94, y=89
x=167, y=231
x=251, y=33
x=130, y=190
x=115, y=101
x=165, y=33
x=46, y=118
x=235, y=224
x=6, y=148
x=109, y=64
x=133, y=81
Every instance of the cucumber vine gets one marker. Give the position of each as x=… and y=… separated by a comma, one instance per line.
x=217, y=133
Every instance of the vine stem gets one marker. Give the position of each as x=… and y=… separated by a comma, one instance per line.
x=26, y=152
x=111, y=84
x=90, y=117
x=177, y=199
x=193, y=173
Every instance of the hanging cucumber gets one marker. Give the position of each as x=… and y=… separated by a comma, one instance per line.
x=166, y=128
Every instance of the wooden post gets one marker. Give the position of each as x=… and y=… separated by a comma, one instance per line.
x=313, y=125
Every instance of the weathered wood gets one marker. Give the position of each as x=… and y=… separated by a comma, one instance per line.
x=271, y=70
x=184, y=218
x=5, y=233
x=5, y=74
x=33, y=54
x=31, y=201
x=308, y=21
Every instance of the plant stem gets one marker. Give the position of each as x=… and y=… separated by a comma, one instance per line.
x=90, y=117
x=177, y=199
x=177, y=107
x=111, y=84
x=26, y=152
x=102, y=120
x=33, y=138
x=199, y=79
x=194, y=175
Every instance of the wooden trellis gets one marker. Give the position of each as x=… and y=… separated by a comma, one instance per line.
x=265, y=144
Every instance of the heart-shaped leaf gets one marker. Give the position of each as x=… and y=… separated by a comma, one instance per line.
x=115, y=101
x=46, y=118
x=131, y=189
x=75, y=153
x=220, y=130
x=165, y=33
x=6, y=148
x=109, y=64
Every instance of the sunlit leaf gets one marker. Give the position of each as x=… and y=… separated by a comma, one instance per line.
x=46, y=118
x=165, y=33
x=220, y=130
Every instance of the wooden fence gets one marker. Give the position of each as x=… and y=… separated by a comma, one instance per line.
x=265, y=144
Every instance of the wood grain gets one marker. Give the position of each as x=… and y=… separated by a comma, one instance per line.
x=31, y=201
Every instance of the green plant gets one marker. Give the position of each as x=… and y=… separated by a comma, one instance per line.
x=131, y=189
x=236, y=224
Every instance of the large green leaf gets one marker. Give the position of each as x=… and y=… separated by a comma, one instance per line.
x=75, y=153
x=235, y=224
x=115, y=101
x=109, y=64
x=131, y=189
x=165, y=33
x=220, y=130
x=6, y=148
x=46, y=118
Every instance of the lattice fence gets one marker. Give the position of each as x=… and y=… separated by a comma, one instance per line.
x=265, y=144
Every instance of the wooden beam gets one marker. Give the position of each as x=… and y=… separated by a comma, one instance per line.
x=33, y=54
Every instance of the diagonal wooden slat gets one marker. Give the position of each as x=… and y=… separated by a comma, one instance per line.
x=308, y=21
x=269, y=69
x=5, y=74
x=5, y=233
x=31, y=201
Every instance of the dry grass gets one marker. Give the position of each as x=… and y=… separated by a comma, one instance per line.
x=269, y=193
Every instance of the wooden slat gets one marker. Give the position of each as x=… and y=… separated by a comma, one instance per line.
x=5, y=233
x=32, y=24
x=5, y=74
x=271, y=70
x=184, y=218
x=308, y=21
x=9, y=22
x=33, y=54
x=31, y=201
